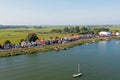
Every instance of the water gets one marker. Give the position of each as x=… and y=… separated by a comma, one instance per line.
x=98, y=61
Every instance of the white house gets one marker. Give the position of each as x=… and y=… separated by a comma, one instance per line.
x=117, y=33
x=105, y=33
x=23, y=44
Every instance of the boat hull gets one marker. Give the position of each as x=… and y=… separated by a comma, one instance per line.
x=77, y=75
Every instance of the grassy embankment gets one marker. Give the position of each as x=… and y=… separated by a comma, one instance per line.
x=55, y=47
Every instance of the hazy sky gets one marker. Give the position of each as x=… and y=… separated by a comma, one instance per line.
x=59, y=12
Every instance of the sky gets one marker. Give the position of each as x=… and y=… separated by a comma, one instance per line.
x=60, y=12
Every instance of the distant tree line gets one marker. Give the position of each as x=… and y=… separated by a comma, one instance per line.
x=77, y=29
x=97, y=30
x=56, y=31
x=11, y=26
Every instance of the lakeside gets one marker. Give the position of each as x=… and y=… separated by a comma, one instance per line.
x=54, y=47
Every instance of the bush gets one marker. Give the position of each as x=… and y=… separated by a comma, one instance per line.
x=32, y=37
x=7, y=42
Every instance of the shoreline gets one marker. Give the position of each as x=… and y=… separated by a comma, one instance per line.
x=54, y=47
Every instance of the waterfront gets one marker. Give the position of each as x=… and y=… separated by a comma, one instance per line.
x=99, y=61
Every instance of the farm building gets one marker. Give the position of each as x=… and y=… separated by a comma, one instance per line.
x=117, y=34
x=104, y=33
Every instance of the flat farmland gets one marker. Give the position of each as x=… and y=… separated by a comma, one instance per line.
x=16, y=34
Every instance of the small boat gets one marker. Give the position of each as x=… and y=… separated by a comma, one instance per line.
x=79, y=73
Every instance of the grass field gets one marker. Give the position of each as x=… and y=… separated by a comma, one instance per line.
x=16, y=34
x=113, y=29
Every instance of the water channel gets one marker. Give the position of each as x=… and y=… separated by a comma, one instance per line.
x=98, y=61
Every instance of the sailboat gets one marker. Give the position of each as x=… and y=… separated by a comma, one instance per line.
x=79, y=73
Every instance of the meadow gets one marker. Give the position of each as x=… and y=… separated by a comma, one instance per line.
x=16, y=34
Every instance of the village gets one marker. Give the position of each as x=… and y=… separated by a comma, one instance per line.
x=51, y=41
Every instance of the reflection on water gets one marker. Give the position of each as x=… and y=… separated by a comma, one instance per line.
x=102, y=44
x=98, y=61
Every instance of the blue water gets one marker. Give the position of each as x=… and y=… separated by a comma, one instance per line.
x=98, y=61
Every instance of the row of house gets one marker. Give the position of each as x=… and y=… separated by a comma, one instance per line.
x=43, y=42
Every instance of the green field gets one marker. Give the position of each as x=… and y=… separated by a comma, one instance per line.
x=113, y=29
x=16, y=34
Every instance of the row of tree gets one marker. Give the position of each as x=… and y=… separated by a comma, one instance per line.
x=77, y=29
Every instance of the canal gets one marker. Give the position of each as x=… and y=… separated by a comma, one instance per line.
x=98, y=61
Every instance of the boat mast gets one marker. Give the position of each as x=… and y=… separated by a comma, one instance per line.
x=78, y=68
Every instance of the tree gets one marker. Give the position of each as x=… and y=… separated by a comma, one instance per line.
x=1, y=47
x=76, y=29
x=84, y=30
x=71, y=30
x=97, y=30
x=7, y=42
x=116, y=30
x=66, y=29
x=21, y=40
x=59, y=31
x=56, y=31
x=104, y=29
x=31, y=37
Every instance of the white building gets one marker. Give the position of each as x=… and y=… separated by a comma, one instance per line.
x=117, y=33
x=105, y=33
